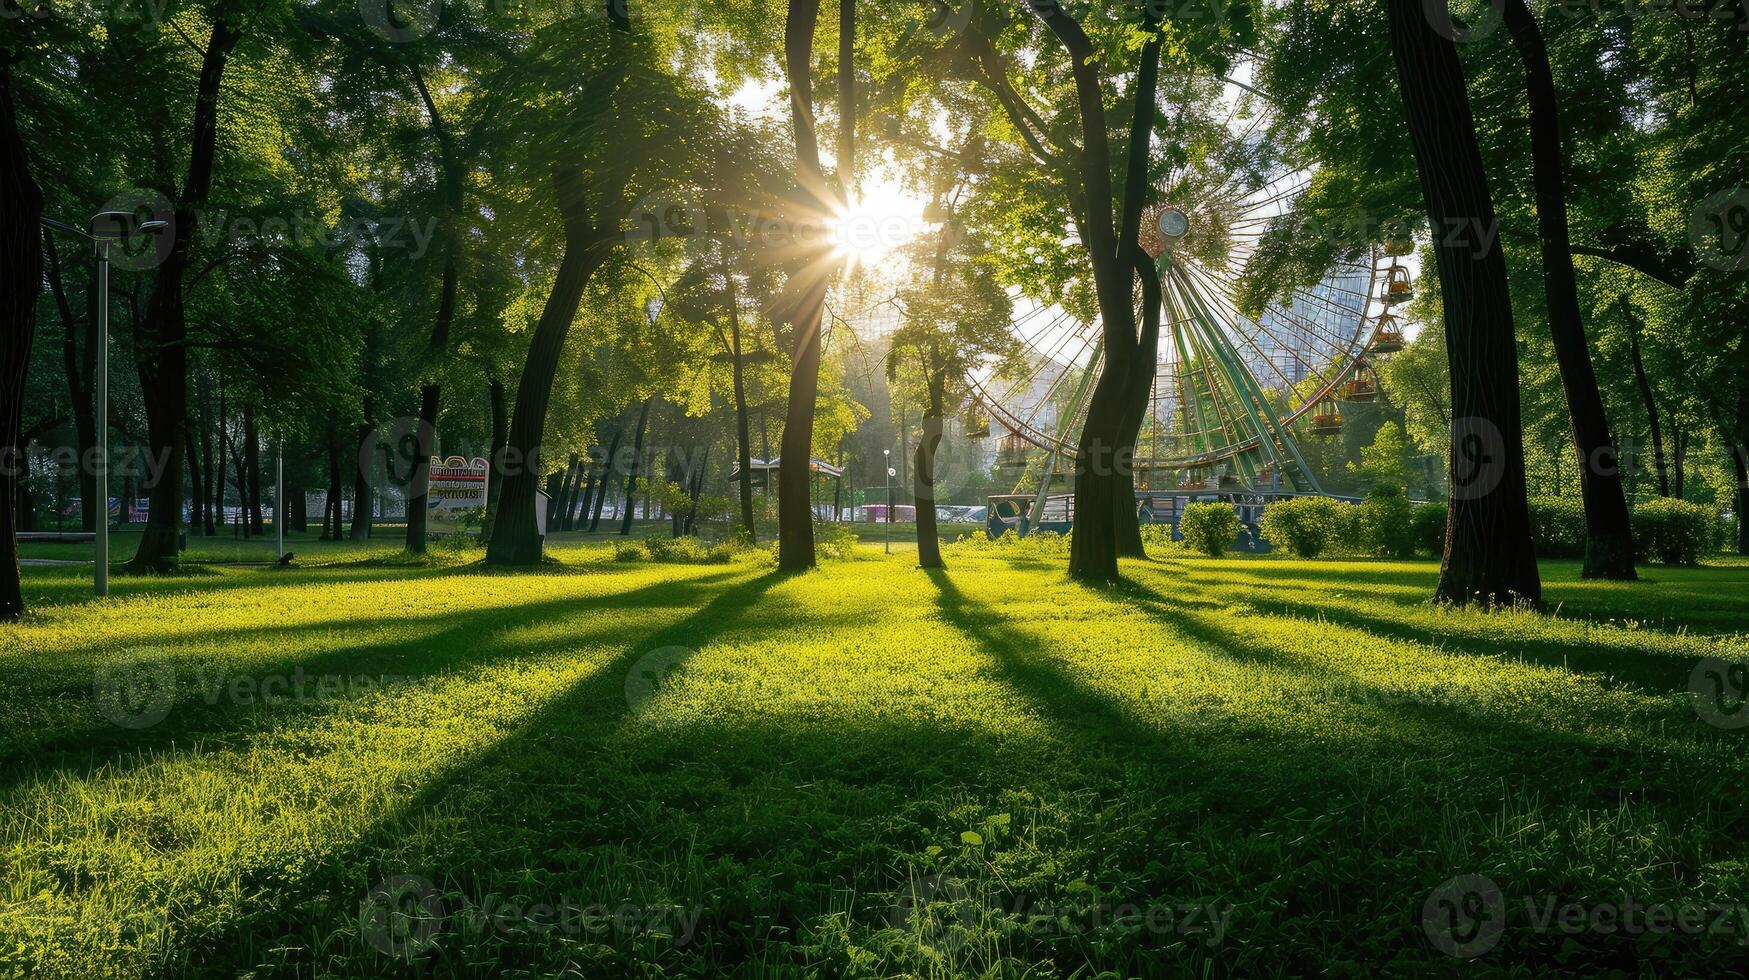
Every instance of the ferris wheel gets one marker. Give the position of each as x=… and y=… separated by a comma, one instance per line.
x=1234, y=395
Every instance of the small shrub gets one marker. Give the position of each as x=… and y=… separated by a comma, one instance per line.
x=1427, y=524
x=1673, y=532
x=629, y=551
x=1728, y=533
x=1158, y=538
x=834, y=541
x=1310, y=526
x=1387, y=523
x=1209, y=528
x=684, y=550
x=1557, y=527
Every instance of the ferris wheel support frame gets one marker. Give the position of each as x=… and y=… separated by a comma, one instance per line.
x=1272, y=435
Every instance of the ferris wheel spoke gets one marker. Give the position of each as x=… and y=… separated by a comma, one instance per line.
x=1234, y=320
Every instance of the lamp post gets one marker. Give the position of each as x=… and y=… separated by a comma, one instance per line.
x=107, y=228
x=279, y=508
x=888, y=454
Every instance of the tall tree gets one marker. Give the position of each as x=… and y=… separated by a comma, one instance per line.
x=1488, y=553
x=164, y=331
x=21, y=208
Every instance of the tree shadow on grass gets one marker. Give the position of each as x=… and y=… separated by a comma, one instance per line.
x=1623, y=663
x=581, y=716
x=453, y=641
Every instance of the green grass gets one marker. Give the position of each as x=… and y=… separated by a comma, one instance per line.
x=866, y=770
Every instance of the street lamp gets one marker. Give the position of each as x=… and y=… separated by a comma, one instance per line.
x=107, y=228
x=888, y=453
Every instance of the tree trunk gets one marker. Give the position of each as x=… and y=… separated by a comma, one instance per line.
x=625, y=522
x=1644, y=385
x=163, y=342
x=218, y=480
x=609, y=466
x=419, y=485
x=923, y=492
x=196, y=489
x=252, y=464
x=807, y=288
x=743, y=435
x=361, y=491
x=1488, y=554
x=78, y=370
x=1609, y=545
x=333, y=514
x=206, y=463
x=240, y=459
x=21, y=258
x=579, y=514
x=515, y=538
x=554, y=490
x=1138, y=396
x=500, y=435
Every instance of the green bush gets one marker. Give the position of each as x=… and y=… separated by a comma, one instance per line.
x=1158, y=537
x=1557, y=527
x=1427, y=524
x=629, y=551
x=1209, y=528
x=1673, y=532
x=1310, y=526
x=1387, y=523
x=1728, y=533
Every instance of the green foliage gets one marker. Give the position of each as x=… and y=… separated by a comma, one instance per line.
x=1427, y=524
x=1673, y=532
x=1310, y=526
x=1040, y=544
x=1386, y=522
x=1209, y=527
x=1385, y=463
x=1557, y=527
x=630, y=551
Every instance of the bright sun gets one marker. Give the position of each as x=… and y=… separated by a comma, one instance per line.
x=883, y=219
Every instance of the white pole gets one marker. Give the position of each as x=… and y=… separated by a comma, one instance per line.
x=100, y=577
x=279, y=497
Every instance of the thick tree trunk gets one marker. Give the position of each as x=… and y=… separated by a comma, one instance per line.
x=923, y=493
x=609, y=467
x=1488, y=555
x=515, y=538
x=21, y=258
x=1644, y=385
x=419, y=486
x=1138, y=397
x=206, y=464
x=1609, y=545
x=163, y=344
x=625, y=522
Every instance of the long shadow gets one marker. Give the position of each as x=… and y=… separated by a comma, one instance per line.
x=1056, y=693
x=1633, y=666
x=455, y=643
x=585, y=715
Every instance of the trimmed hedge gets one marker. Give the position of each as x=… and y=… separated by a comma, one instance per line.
x=1209, y=527
x=1557, y=527
x=1428, y=524
x=1387, y=523
x=1673, y=532
x=1310, y=526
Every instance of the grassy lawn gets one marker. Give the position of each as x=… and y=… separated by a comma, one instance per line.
x=1234, y=767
